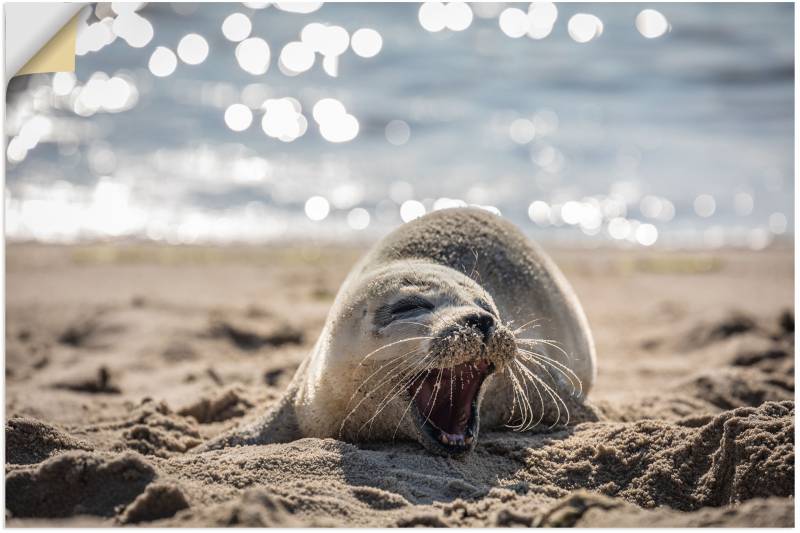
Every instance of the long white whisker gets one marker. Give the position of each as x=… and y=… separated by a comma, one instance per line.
x=519, y=396
x=549, y=342
x=391, y=372
x=527, y=421
x=523, y=326
x=406, y=374
x=393, y=344
x=516, y=390
x=525, y=381
x=529, y=377
x=410, y=322
x=452, y=379
x=436, y=387
x=409, y=373
x=513, y=399
x=474, y=265
x=552, y=393
x=410, y=402
x=397, y=388
x=571, y=376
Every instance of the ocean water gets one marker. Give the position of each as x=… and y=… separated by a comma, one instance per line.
x=684, y=140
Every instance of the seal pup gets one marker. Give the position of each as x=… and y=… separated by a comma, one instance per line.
x=451, y=322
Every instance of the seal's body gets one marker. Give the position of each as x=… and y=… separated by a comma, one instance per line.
x=452, y=320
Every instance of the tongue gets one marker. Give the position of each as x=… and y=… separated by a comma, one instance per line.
x=449, y=406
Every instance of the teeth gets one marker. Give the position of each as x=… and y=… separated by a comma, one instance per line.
x=454, y=440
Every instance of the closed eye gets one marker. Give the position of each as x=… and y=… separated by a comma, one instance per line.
x=408, y=306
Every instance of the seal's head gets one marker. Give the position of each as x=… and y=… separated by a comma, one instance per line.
x=434, y=337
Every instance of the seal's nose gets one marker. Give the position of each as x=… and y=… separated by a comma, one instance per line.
x=483, y=322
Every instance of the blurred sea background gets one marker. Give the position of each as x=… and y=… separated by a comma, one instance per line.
x=337, y=122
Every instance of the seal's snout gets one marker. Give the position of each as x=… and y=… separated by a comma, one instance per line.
x=471, y=335
x=473, y=346
x=483, y=322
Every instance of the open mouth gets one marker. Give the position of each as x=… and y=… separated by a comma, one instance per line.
x=446, y=401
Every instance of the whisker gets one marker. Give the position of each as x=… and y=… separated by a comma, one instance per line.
x=513, y=401
x=393, y=344
x=436, y=387
x=407, y=375
x=523, y=326
x=526, y=409
x=527, y=377
x=524, y=394
x=411, y=322
x=398, y=387
x=549, y=342
x=536, y=362
x=452, y=378
x=474, y=265
x=390, y=372
x=515, y=389
x=390, y=362
x=552, y=393
x=475, y=274
x=410, y=402
x=567, y=372
x=538, y=393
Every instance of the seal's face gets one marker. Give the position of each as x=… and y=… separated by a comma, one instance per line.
x=437, y=337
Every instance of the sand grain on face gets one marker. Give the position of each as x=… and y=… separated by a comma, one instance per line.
x=692, y=415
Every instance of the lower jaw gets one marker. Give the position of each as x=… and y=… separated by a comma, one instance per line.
x=431, y=437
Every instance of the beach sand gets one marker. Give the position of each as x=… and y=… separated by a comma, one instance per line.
x=122, y=357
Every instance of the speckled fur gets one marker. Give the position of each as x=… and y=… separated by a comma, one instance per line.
x=454, y=257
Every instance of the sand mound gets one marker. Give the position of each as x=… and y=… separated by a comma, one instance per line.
x=652, y=463
x=735, y=387
x=584, y=509
x=255, y=508
x=30, y=441
x=89, y=331
x=707, y=332
x=229, y=403
x=76, y=483
x=155, y=430
x=93, y=382
x=151, y=428
x=249, y=334
x=157, y=501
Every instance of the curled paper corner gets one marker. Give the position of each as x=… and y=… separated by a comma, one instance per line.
x=58, y=55
x=40, y=37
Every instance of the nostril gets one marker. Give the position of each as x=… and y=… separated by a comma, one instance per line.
x=482, y=322
x=486, y=326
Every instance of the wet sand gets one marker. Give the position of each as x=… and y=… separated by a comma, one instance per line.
x=121, y=358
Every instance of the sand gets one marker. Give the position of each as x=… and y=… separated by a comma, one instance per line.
x=122, y=358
